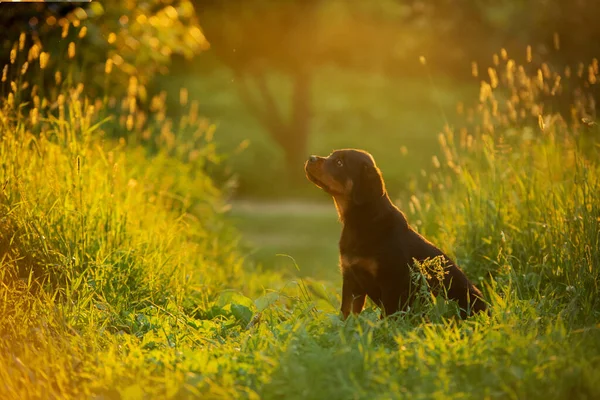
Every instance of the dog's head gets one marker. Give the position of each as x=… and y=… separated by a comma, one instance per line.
x=350, y=176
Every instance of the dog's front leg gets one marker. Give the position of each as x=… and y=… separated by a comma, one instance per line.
x=353, y=298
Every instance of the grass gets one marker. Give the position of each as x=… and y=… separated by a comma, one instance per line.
x=120, y=277
x=273, y=232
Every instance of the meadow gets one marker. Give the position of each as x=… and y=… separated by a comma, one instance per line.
x=122, y=275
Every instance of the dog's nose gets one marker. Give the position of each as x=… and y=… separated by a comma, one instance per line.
x=312, y=158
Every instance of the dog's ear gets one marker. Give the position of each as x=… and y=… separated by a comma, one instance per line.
x=368, y=185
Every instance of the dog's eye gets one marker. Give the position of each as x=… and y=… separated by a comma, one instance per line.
x=339, y=162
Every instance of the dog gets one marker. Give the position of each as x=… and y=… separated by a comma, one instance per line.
x=378, y=247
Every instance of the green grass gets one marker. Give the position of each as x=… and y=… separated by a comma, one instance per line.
x=294, y=238
x=120, y=277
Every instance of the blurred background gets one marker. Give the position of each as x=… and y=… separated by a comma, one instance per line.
x=278, y=80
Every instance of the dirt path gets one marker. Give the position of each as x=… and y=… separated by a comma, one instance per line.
x=287, y=207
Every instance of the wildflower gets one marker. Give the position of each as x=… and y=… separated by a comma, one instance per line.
x=4, y=73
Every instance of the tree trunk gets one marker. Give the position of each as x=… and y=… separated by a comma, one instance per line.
x=291, y=133
x=294, y=142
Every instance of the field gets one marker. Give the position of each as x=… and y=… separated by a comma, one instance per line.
x=123, y=275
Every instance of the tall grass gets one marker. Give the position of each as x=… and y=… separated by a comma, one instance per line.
x=520, y=201
x=120, y=279
x=102, y=235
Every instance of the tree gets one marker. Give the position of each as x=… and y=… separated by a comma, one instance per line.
x=138, y=37
x=257, y=38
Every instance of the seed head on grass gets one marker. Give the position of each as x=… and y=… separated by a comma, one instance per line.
x=82, y=32
x=71, y=50
x=108, y=66
x=44, y=59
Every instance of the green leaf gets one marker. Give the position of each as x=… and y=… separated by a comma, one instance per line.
x=232, y=297
x=265, y=301
x=241, y=313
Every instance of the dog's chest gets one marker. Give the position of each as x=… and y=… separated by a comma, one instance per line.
x=362, y=266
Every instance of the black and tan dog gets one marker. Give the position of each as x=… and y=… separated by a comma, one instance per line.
x=378, y=247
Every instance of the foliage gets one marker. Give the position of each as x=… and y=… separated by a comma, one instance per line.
x=129, y=38
x=119, y=278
